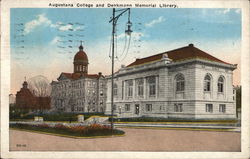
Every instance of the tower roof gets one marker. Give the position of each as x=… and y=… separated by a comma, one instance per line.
x=81, y=55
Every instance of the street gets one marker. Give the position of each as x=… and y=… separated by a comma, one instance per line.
x=134, y=140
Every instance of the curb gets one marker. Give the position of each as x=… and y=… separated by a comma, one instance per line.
x=176, y=122
x=180, y=128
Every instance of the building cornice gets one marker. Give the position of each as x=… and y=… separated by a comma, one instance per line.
x=166, y=64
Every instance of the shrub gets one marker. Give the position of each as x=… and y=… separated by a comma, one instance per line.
x=43, y=125
x=60, y=127
x=78, y=128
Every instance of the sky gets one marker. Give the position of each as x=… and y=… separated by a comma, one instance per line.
x=45, y=40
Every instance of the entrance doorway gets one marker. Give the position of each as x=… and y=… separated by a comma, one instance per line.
x=137, y=109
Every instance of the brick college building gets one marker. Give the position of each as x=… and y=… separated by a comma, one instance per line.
x=182, y=83
x=27, y=101
x=79, y=91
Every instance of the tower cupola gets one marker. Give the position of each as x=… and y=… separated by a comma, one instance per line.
x=81, y=61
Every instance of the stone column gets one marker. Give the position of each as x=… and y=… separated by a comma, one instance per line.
x=133, y=88
x=156, y=86
x=144, y=87
x=124, y=90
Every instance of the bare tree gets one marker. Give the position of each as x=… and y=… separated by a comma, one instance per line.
x=39, y=86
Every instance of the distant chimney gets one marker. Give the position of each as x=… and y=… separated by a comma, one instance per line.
x=191, y=45
x=166, y=58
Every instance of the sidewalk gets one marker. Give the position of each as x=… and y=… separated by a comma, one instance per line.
x=189, y=126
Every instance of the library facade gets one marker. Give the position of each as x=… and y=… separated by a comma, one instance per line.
x=182, y=83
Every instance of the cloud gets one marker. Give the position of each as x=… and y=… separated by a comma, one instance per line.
x=134, y=35
x=55, y=40
x=224, y=11
x=41, y=19
x=65, y=28
x=155, y=21
x=237, y=11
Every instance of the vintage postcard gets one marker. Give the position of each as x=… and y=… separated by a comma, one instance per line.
x=111, y=79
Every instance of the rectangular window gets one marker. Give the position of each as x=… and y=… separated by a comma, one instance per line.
x=209, y=108
x=127, y=107
x=101, y=93
x=148, y=107
x=114, y=107
x=178, y=107
x=152, y=89
x=222, y=108
x=162, y=108
x=130, y=88
x=101, y=84
x=152, y=85
x=140, y=87
x=140, y=90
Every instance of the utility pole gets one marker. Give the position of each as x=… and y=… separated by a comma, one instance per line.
x=112, y=77
x=128, y=32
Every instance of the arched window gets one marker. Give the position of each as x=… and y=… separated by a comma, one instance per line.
x=115, y=89
x=221, y=84
x=207, y=83
x=180, y=82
